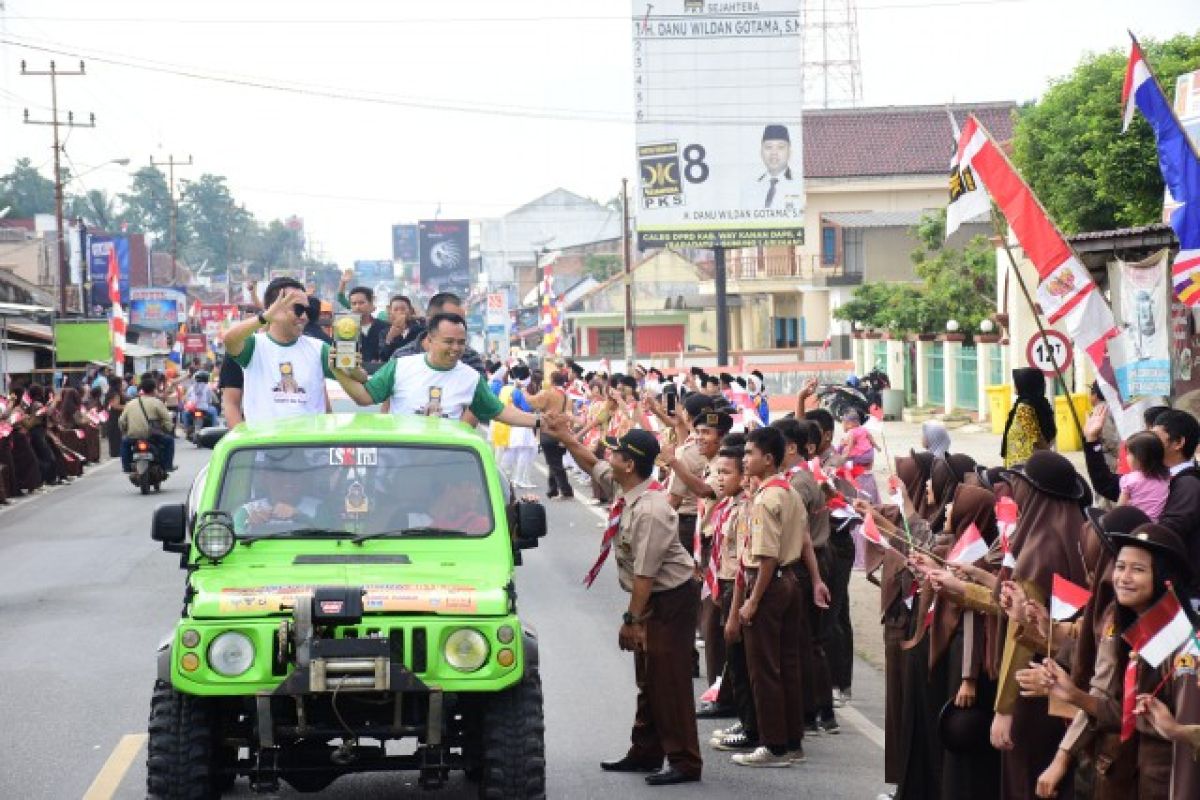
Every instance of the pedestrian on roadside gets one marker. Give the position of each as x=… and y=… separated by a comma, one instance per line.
x=1030, y=425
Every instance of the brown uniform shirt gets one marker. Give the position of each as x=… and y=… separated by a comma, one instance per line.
x=814, y=504
x=778, y=527
x=734, y=530
x=647, y=542
x=689, y=459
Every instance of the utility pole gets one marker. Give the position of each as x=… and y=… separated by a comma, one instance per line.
x=630, y=338
x=60, y=235
x=171, y=164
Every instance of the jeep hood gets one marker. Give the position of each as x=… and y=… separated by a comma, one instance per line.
x=429, y=585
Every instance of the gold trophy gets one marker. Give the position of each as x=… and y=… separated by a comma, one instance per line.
x=345, y=340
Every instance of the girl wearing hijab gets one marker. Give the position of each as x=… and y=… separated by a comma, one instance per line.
x=1030, y=424
x=935, y=438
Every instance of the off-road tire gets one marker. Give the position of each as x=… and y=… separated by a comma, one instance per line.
x=514, y=748
x=182, y=754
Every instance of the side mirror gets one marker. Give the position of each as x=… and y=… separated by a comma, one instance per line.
x=170, y=527
x=531, y=524
x=208, y=437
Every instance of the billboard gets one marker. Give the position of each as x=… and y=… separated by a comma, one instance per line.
x=160, y=309
x=445, y=255
x=717, y=100
x=404, y=243
x=98, y=250
x=372, y=271
x=87, y=340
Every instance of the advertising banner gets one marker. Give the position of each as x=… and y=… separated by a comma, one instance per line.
x=1144, y=310
x=160, y=309
x=404, y=244
x=369, y=272
x=445, y=255
x=98, y=249
x=717, y=100
x=195, y=343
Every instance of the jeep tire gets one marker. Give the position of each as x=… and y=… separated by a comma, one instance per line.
x=513, y=746
x=183, y=756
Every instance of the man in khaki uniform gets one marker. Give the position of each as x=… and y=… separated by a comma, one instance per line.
x=769, y=606
x=660, y=621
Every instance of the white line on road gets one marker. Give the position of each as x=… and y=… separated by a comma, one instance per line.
x=109, y=778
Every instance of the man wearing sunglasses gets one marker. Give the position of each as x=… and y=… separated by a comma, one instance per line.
x=435, y=383
x=285, y=371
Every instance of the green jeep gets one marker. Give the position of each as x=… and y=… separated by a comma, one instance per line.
x=349, y=607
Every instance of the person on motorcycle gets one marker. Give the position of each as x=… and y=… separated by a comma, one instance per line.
x=200, y=397
x=146, y=417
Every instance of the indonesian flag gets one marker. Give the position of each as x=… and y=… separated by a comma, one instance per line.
x=194, y=313
x=117, y=321
x=969, y=548
x=870, y=532
x=968, y=199
x=1161, y=631
x=814, y=466
x=1180, y=166
x=1066, y=599
x=850, y=472
x=1006, y=525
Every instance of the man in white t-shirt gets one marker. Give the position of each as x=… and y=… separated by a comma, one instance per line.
x=284, y=370
x=435, y=383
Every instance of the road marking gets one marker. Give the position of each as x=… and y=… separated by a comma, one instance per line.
x=109, y=778
x=862, y=725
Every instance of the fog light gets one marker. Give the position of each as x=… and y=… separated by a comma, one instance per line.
x=505, y=634
x=190, y=662
x=505, y=658
x=190, y=638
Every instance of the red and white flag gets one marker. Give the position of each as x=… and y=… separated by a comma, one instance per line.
x=1162, y=630
x=1066, y=599
x=117, y=322
x=1006, y=524
x=870, y=532
x=969, y=548
x=814, y=466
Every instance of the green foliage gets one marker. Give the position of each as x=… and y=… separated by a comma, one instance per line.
x=211, y=223
x=1070, y=149
x=602, y=266
x=146, y=207
x=96, y=208
x=958, y=284
x=26, y=191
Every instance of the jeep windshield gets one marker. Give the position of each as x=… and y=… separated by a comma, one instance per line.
x=364, y=492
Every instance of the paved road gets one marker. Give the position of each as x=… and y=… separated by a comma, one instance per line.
x=85, y=597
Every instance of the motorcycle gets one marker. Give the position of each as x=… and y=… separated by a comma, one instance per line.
x=147, y=469
x=198, y=419
x=856, y=394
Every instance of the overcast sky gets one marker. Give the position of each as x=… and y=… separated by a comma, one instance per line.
x=543, y=89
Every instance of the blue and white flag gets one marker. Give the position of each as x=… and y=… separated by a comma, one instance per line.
x=1180, y=169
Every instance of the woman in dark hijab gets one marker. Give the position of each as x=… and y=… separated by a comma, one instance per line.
x=1030, y=424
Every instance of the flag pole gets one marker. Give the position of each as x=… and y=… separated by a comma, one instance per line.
x=1037, y=317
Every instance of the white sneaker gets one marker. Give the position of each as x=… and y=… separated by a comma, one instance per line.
x=732, y=730
x=841, y=698
x=761, y=757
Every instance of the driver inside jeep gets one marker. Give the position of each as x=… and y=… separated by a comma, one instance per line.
x=282, y=499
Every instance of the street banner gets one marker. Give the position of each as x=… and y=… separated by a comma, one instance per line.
x=551, y=330
x=1180, y=166
x=717, y=104
x=117, y=317
x=160, y=309
x=195, y=343
x=370, y=272
x=445, y=255
x=1140, y=291
x=1066, y=291
x=98, y=252
x=405, y=247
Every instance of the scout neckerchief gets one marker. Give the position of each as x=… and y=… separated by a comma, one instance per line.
x=614, y=525
x=721, y=512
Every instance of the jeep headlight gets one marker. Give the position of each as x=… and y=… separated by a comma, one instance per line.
x=214, y=539
x=466, y=650
x=230, y=654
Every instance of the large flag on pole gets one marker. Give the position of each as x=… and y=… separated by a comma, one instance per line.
x=549, y=315
x=1179, y=164
x=117, y=321
x=1066, y=291
x=967, y=196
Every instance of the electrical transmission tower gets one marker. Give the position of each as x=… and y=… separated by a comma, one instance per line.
x=832, y=66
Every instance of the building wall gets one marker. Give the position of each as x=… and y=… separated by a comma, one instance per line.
x=886, y=254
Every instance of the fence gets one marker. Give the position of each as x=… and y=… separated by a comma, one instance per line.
x=996, y=367
x=966, y=394
x=935, y=369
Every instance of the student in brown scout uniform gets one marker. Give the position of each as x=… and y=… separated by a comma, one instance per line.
x=664, y=601
x=769, y=607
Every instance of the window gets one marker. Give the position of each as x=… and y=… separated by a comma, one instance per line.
x=852, y=260
x=829, y=243
x=610, y=342
x=787, y=332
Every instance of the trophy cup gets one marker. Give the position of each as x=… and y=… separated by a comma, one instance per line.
x=345, y=340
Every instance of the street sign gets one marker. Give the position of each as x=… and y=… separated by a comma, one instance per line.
x=1040, y=349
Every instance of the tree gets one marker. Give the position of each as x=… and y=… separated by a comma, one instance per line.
x=1070, y=149
x=146, y=207
x=96, y=208
x=958, y=284
x=209, y=222
x=26, y=191
x=602, y=266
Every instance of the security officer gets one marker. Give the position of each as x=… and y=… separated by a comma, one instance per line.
x=664, y=600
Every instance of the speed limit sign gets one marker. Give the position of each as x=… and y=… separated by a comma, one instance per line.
x=1046, y=349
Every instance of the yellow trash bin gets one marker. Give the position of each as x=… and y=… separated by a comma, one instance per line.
x=999, y=401
x=1069, y=437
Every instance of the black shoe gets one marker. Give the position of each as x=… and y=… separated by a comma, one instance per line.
x=172, y=468
x=708, y=710
x=669, y=777
x=627, y=764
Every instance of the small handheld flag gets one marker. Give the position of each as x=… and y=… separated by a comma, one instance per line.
x=870, y=532
x=1160, y=631
x=1066, y=599
x=969, y=548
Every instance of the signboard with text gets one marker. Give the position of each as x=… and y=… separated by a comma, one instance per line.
x=404, y=243
x=160, y=309
x=717, y=103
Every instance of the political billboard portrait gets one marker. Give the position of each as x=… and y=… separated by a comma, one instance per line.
x=445, y=255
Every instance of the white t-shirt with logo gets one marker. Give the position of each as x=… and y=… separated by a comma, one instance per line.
x=283, y=380
x=415, y=387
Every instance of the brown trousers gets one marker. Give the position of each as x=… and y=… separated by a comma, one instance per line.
x=665, y=723
x=773, y=660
